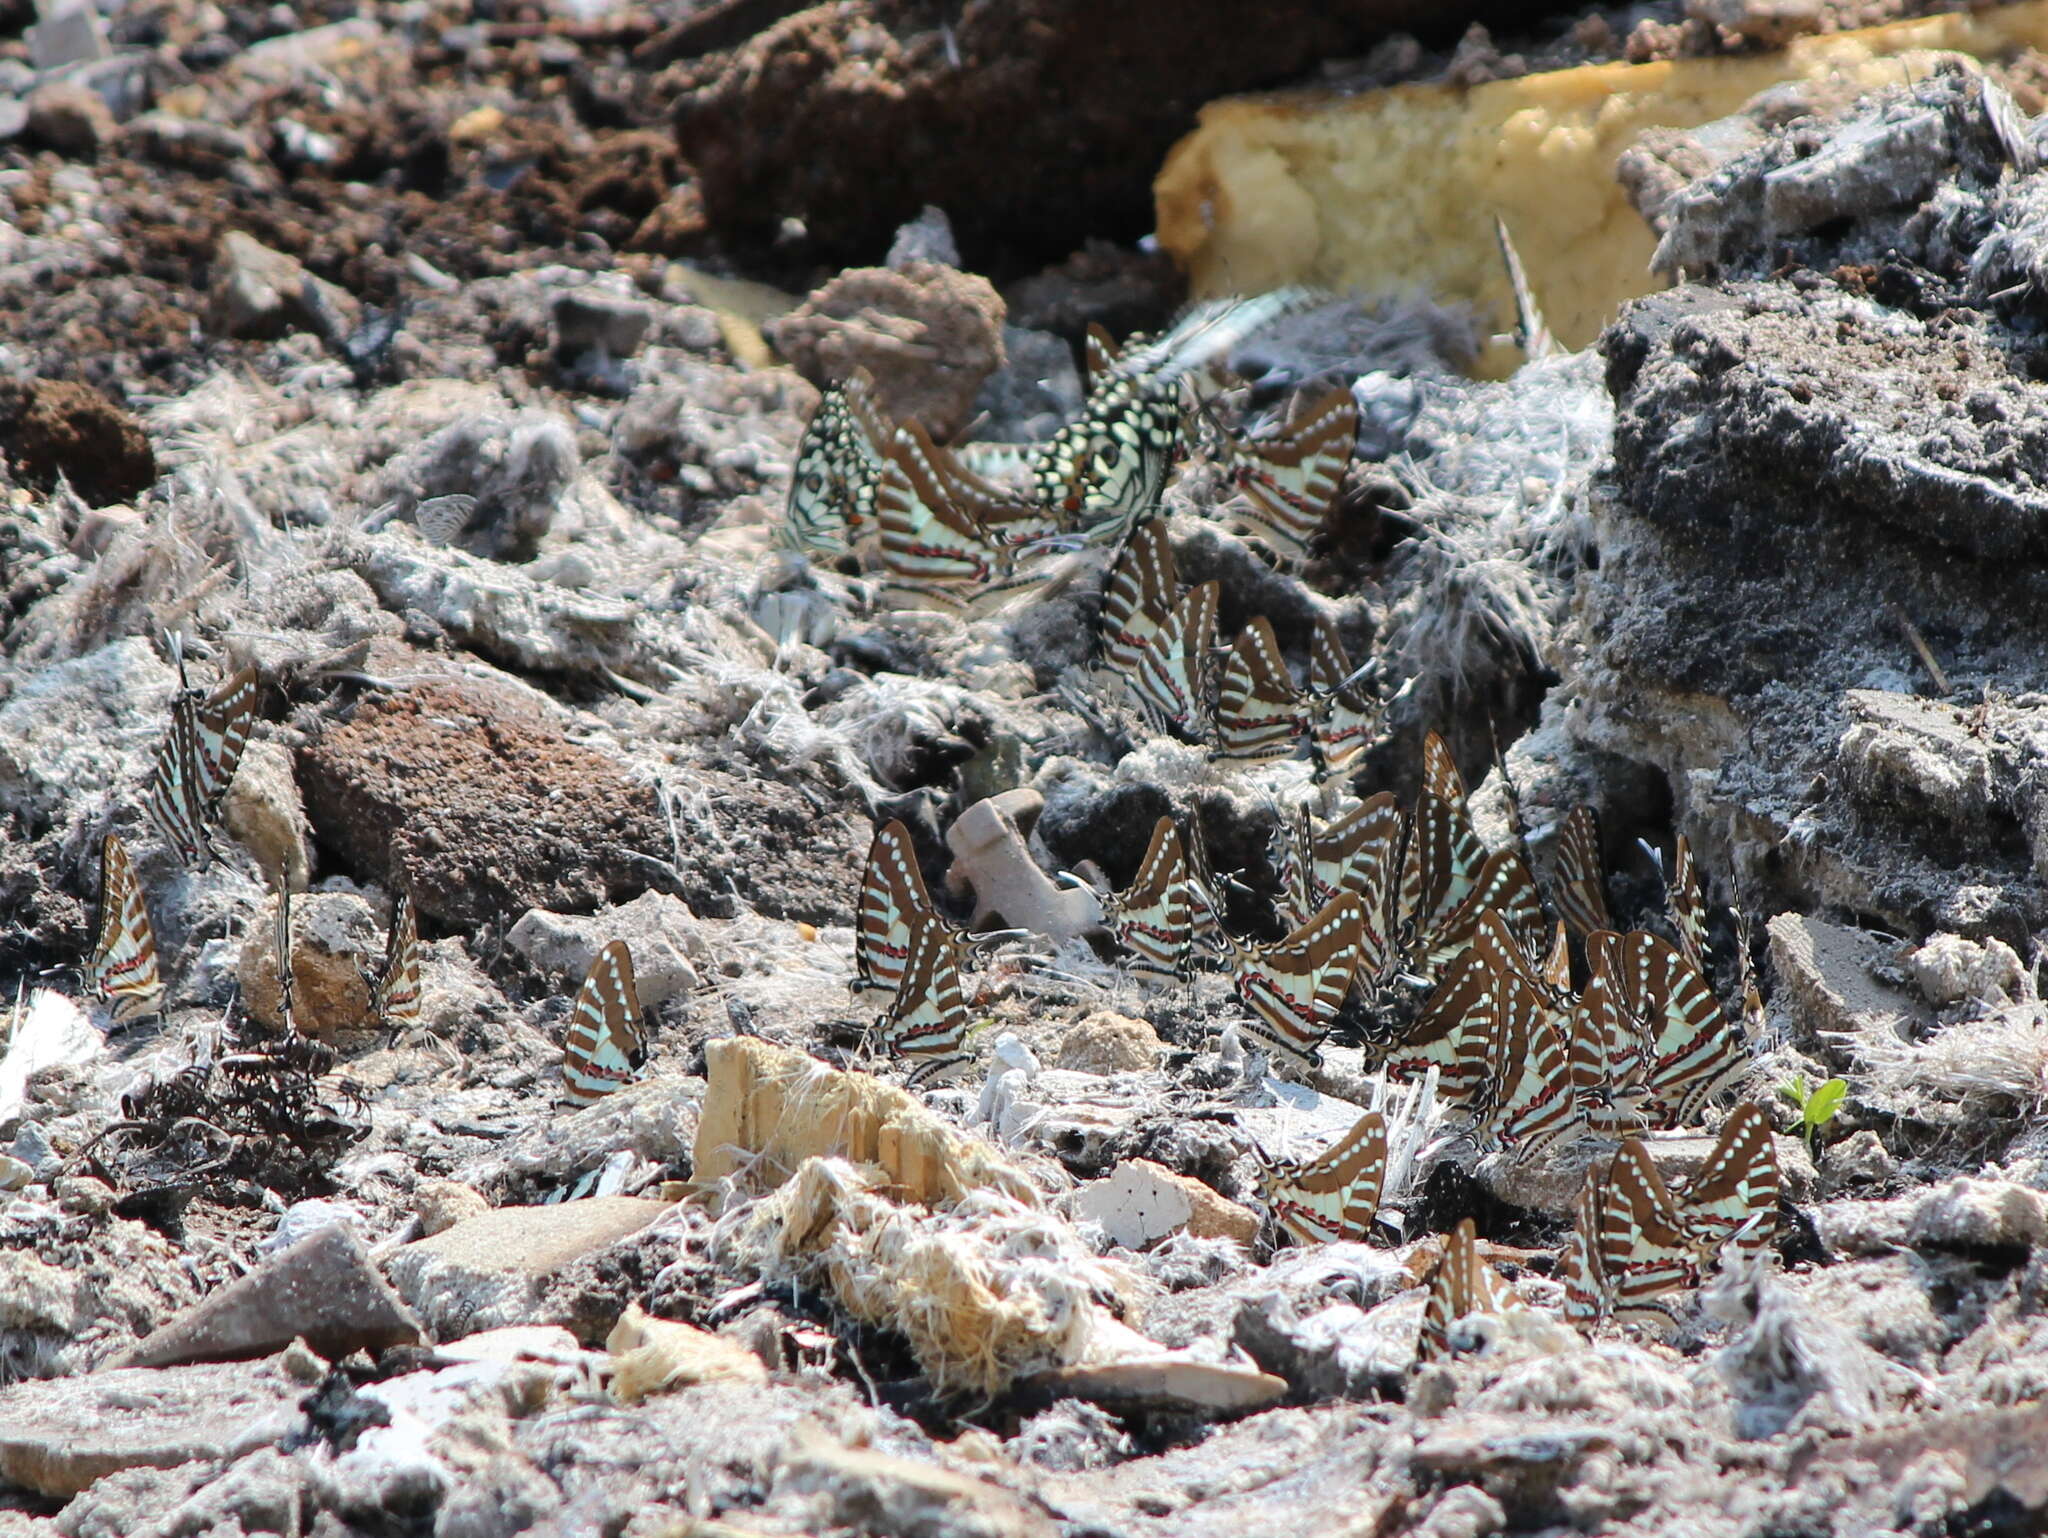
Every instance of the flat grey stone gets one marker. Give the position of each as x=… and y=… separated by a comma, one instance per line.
x=59, y=1435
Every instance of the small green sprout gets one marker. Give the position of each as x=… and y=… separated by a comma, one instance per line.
x=1817, y=1106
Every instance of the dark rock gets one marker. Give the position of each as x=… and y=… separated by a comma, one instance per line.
x=1032, y=125
x=594, y=333
x=323, y=1290
x=52, y=427
x=1035, y=393
x=70, y=119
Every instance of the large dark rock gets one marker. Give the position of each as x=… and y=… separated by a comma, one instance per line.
x=1033, y=125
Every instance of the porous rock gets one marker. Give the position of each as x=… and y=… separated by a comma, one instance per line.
x=264, y=814
x=69, y=118
x=1950, y=970
x=334, y=936
x=60, y=1436
x=323, y=1290
x=1970, y=1214
x=928, y=334
x=53, y=427
x=416, y=785
x=441, y=1204
x=1105, y=1042
x=1140, y=1203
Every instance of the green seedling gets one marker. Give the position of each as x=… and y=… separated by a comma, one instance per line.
x=1816, y=1106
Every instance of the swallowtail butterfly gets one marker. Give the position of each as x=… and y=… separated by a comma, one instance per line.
x=1734, y=1196
x=1536, y=1108
x=1258, y=709
x=1143, y=588
x=1343, y=715
x=395, y=994
x=894, y=905
x=1688, y=907
x=1153, y=917
x=1333, y=1197
x=926, y=1023
x=1291, y=480
x=122, y=969
x=197, y=762
x=605, y=1041
x=1462, y=1284
x=1459, y=1033
x=1630, y=1248
x=838, y=460
x=1693, y=1051
x=1295, y=986
x=1108, y=467
x=1171, y=680
x=1581, y=894
x=1606, y=1046
x=1005, y=519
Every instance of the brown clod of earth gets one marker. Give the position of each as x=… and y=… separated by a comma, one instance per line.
x=489, y=813
x=928, y=333
x=52, y=427
x=1024, y=122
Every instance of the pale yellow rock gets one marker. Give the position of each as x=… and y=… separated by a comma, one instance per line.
x=1107, y=1042
x=1396, y=191
x=334, y=935
x=441, y=1204
x=654, y=1356
x=264, y=814
x=768, y=1109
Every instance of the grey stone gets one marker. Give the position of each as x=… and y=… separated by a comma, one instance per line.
x=70, y=119
x=66, y=34
x=1829, y=974
x=927, y=238
x=261, y=293
x=58, y=1436
x=494, y=1269
x=1036, y=391
x=1969, y=1214
x=13, y=118
x=873, y=1492
x=323, y=1290
x=659, y=929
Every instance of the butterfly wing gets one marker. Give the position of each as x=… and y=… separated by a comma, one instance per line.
x=838, y=460
x=1333, y=1197
x=1581, y=892
x=1153, y=918
x=933, y=554
x=1171, y=681
x=395, y=999
x=1294, y=988
x=1734, y=1196
x=1694, y=1051
x=1462, y=1284
x=1646, y=1254
x=1143, y=587
x=122, y=969
x=926, y=1024
x=1537, y=1109
x=1290, y=481
x=1458, y=1034
x=1258, y=709
x=1688, y=907
x=1343, y=715
x=892, y=900
x=605, y=1041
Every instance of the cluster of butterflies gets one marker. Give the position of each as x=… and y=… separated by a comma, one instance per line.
x=969, y=529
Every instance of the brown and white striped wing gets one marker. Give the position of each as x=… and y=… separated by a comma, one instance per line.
x=395, y=998
x=1462, y=1284
x=1153, y=917
x=605, y=1039
x=1171, y=680
x=1458, y=1033
x=196, y=763
x=1537, y=1110
x=892, y=901
x=122, y=970
x=1291, y=480
x=1343, y=713
x=1646, y=1254
x=1695, y=1052
x=926, y=1025
x=281, y=956
x=1361, y=853
x=1295, y=987
x=1258, y=709
x=1734, y=1196
x=1334, y=1196
x=934, y=555
x=1144, y=585
x=1005, y=518
x=1606, y=1047
x=1581, y=891
x=1688, y=906
x=1585, y=1283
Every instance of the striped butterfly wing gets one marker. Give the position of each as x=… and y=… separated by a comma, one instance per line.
x=1462, y=1284
x=1361, y=853
x=1734, y=1196
x=1694, y=1051
x=1502, y=886
x=1646, y=1252
x=222, y=724
x=1295, y=987
x=1556, y=977
x=1537, y=1110
x=1458, y=1033
x=1291, y=480
x=1258, y=709
x=831, y=502
x=1581, y=891
x=1444, y=854
x=1688, y=907
x=1098, y=354
x=605, y=1040
x=926, y=1024
x=395, y=997
x=934, y=555
x=176, y=798
x=1171, y=681
x=1153, y=917
x=122, y=970
x=1143, y=587
x=892, y=900
x=1606, y=1048
x=1006, y=518
x=1333, y=1197
x=1343, y=714
x=1293, y=850
x=1585, y=1283
x=1108, y=467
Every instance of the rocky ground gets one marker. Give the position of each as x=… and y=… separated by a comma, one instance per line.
x=1763, y=568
